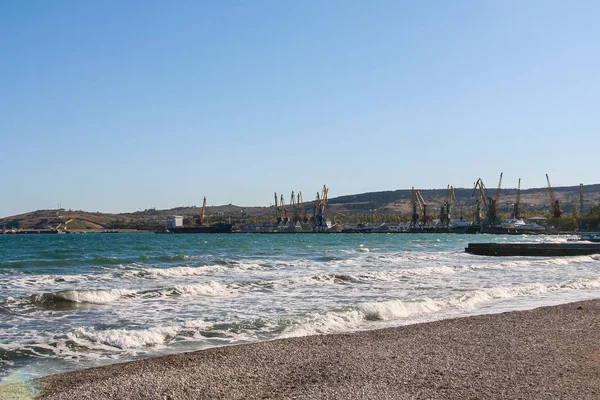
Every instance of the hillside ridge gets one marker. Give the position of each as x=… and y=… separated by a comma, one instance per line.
x=391, y=202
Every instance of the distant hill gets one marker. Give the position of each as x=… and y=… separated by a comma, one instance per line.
x=532, y=200
x=397, y=202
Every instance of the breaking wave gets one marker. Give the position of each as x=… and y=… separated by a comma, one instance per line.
x=65, y=297
x=82, y=296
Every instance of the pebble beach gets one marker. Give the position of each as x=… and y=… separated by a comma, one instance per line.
x=547, y=352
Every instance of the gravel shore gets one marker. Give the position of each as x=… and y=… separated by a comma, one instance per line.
x=549, y=352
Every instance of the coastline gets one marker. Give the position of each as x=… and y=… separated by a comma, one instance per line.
x=547, y=352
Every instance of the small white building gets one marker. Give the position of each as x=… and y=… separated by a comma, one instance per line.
x=176, y=221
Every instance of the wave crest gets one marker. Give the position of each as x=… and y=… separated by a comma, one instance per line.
x=81, y=296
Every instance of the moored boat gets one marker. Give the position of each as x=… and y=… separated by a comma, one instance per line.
x=215, y=228
x=177, y=227
x=591, y=237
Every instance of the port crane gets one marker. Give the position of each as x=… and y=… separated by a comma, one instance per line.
x=201, y=218
x=294, y=205
x=481, y=200
x=446, y=208
x=277, y=217
x=300, y=201
x=490, y=205
x=554, y=205
x=494, y=206
x=417, y=201
x=321, y=203
x=580, y=206
x=415, y=215
x=283, y=210
x=517, y=208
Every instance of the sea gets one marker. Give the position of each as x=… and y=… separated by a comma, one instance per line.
x=69, y=302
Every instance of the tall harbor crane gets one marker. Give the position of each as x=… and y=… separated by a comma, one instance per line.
x=554, y=205
x=446, y=208
x=316, y=211
x=481, y=200
x=294, y=205
x=495, y=205
x=580, y=206
x=283, y=210
x=320, y=221
x=201, y=218
x=489, y=204
x=451, y=201
x=415, y=215
x=300, y=201
x=517, y=209
x=277, y=217
x=417, y=201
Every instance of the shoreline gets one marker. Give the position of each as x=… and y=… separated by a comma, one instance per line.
x=547, y=352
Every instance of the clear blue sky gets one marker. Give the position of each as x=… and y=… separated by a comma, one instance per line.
x=117, y=106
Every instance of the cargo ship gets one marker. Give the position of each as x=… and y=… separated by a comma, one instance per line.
x=177, y=227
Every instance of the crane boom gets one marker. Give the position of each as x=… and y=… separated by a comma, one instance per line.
x=580, y=206
x=446, y=209
x=554, y=205
x=283, y=209
x=417, y=200
x=415, y=204
x=300, y=201
x=581, y=199
x=295, y=204
x=482, y=194
x=320, y=221
x=201, y=219
x=517, y=210
x=498, y=193
x=489, y=204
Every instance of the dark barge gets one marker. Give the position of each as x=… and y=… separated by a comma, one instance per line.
x=533, y=249
x=215, y=228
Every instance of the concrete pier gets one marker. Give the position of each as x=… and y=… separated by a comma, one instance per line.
x=533, y=249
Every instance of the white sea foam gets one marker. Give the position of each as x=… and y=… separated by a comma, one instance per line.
x=203, y=289
x=176, y=271
x=325, y=323
x=415, y=256
x=471, y=299
x=124, y=339
x=396, y=309
x=386, y=275
x=426, y=271
x=581, y=284
x=196, y=324
x=358, y=316
x=28, y=281
x=128, y=338
x=184, y=271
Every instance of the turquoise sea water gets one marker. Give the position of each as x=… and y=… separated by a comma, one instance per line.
x=75, y=301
